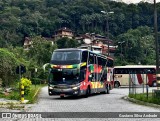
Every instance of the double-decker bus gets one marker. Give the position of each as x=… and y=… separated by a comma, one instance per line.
x=79, y=72
x=136, y=74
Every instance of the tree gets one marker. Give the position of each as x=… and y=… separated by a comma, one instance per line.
x=41, y=50
x=67, y=43
x=138, y=46
x=8, y=63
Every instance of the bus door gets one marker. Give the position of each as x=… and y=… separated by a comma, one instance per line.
x=91, y=70
x=96, y=73
x=101, y=73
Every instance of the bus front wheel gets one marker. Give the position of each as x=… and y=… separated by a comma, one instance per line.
x=88, y=92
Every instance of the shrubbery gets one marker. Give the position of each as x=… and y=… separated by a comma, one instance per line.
x=27, y=85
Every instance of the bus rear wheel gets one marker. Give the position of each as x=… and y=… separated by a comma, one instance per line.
x=107, y=89
x=116, y=84
x=154, y=84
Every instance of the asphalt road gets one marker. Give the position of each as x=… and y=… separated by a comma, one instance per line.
x=89, y=107
x=112, y=102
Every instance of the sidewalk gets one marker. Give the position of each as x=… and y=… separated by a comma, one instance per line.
x=4, y=101
x=12, y=105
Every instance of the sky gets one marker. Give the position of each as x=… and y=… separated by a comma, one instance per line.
x=137, y=1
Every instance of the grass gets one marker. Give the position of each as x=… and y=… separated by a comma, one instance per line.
x=32, y=96
x=143, y=97
x=15, y=95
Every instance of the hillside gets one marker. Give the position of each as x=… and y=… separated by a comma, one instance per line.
x=132, y=23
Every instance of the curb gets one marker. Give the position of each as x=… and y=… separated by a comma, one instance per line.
x=5, y=103
x=36, y=92
x=140, y=102
x=12, y=106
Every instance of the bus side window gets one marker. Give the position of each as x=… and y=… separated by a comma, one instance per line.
x=99, y=61
x=105, y=74
x=84, y=56
x=82, y=74
x=110, y=63
x=91, y=58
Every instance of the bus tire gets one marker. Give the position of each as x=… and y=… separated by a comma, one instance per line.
x=154, y=84
x=107, y=90
x=50, y=94
x=88, y=92
x=62, y=96
x=116, y=84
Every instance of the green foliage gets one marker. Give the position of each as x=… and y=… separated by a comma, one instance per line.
x=8, y=63
x=15, y=95
x=31, y=18
x=137, y=47
x=143, y=97
x=67, y=43
x=41, y=51
x=36, y=81
x=32, y=96
x=27, y=85
x=130, y=23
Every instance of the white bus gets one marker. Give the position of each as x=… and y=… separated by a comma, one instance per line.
x=137, y=74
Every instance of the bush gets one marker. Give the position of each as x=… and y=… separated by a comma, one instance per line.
x=27, y=85
x=14, y=95
x=36, y=81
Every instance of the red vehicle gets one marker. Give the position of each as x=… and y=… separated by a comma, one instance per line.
x=79, y=72
x=137, y=74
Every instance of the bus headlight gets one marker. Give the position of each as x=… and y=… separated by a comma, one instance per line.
x=75, y=88
x=51, y=87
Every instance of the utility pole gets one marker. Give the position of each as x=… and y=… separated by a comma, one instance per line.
x=121, y=48
x=157, y=46
x=107, y=24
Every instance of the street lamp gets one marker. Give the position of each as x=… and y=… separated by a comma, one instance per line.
x=121, y=48
x=107, y=24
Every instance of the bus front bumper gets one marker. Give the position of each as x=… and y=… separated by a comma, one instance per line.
x=70, y=91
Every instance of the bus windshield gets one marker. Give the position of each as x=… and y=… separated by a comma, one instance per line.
x=68, y=76
x=66, y=57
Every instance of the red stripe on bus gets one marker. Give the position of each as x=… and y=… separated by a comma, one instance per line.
x=139, y=77
x=150, y=78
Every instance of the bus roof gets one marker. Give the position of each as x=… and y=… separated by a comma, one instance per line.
x=93, y=46
x=70, y=49
x=136, y=66
x=79, y=49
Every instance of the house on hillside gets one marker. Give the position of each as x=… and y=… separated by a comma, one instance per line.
x=63, y=32
x=99, y=42
x=60, y=33
x=28, y=42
